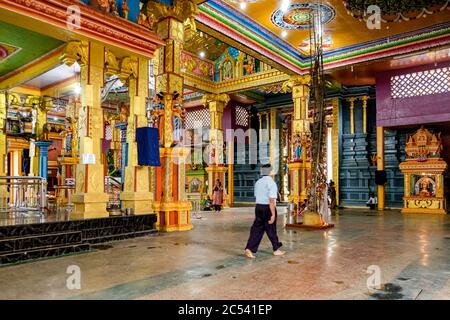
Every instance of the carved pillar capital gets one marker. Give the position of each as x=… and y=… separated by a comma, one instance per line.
x=76, y=51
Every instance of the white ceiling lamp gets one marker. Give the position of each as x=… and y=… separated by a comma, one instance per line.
x=202, y=54
x=285, y=5
x=284, y=33
x=243, y=5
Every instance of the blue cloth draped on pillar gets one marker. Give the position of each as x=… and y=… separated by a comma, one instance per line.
x=147, y=140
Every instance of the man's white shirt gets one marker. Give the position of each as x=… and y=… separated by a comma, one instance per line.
x=265, y=189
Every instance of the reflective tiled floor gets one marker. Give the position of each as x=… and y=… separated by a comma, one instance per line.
x=411, y=252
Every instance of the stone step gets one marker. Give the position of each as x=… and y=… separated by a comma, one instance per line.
x=26, y=243
x=40, y=253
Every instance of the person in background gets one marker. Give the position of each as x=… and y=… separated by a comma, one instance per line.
x=372, y=202
x=207, y=204
x=332, y=195
x=218, y=196
x=266, y=193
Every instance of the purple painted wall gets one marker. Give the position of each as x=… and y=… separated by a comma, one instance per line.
x=410, y=111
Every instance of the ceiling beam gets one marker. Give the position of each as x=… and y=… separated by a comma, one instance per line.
x=244, y=83
x=32, y=70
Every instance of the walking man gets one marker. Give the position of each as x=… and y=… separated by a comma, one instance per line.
x=266, y=193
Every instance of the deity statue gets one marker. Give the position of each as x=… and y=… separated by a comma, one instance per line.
x=227, y=70
x=68, y=144
x=102, y=5
x=424, y=188
x=296, y=156
x=249, y=67
x=113, y=7
x=125, y=9
x=124, y=113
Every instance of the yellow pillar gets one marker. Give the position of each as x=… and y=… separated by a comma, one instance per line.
x=380, y=166
x=274, y=153
x=41, y=108
x=364, y=100
x=90, y=199
x=299, y=170
x=231, y=175
x=260, y=126
x=3, y=113
x=335, y=146
x=136, y=194
x=216, y=168
x=352, y=115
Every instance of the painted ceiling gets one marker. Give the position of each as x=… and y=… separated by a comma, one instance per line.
x=24, y=46
x=344, y=29
x=346, y=38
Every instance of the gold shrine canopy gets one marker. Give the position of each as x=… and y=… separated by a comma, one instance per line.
x=424, y=171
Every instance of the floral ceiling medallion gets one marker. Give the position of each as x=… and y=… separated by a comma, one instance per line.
x=300, y=15
x=398, y=10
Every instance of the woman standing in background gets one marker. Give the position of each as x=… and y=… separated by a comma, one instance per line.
x=218, y=196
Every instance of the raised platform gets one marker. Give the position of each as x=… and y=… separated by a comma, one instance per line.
x=50, y=236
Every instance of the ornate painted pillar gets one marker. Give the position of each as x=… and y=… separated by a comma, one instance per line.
x=260, y=126
x=136, y=191
x=216, y=168
x=274, y=145
x=364, y=100
x=39, y=106
x=2, y=134
x=380, y=166
x=4, y=194
x=90, y=199
x=335, y=146
x=299, y=163
x=171, y=206
x=352, y=115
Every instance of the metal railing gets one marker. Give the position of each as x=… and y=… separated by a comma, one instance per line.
x=22, y=194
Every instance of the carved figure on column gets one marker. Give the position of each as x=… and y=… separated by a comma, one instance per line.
x=182, y=10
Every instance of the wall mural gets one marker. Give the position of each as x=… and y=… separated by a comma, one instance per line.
x=6, y=51
x=299, y=15
x=197, y=66
x=233, y=64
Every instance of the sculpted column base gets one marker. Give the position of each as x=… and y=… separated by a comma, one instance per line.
x=140, y=202
x=173, y=216
x=90, y=205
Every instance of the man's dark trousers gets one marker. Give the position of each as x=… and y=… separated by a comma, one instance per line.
x=261, y=225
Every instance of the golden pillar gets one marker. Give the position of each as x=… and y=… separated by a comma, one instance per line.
x=40, y=105
x=273, y=143
x=90, y=198
x=231, y=174
x=171, y=206
x=216, y=168
x=299, y=168
x=364, y=100
x=380, y=166
x=3, y=113
x=136, y=191
x=260, y=126
x=335, y=146
x=267, y=114
x=352, y=114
